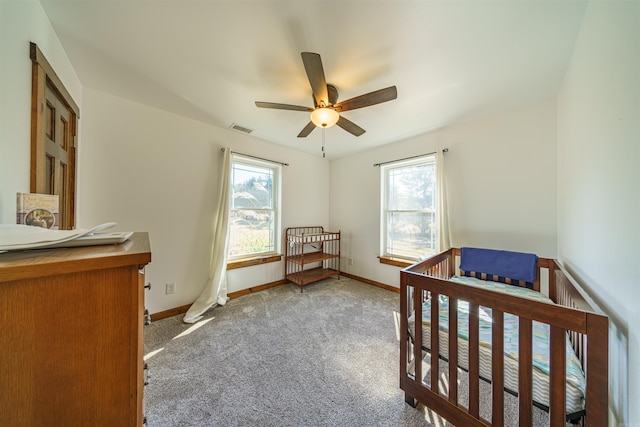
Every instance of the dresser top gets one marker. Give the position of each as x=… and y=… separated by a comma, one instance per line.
x=44, y=262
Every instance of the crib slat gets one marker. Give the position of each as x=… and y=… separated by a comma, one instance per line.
x=406, y=307
x=474, y=361
x=557, y=373
x=418, y=298
x=453, y=350
x=597, y=372
x=525, y=398
x=497, y=368
x=435, y=342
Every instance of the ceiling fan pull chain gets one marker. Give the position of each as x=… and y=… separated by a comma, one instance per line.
x=323, y=153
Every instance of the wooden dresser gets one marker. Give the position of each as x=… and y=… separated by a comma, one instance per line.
x=71, y=335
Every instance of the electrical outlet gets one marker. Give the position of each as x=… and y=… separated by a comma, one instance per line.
x=350, y=261
x=170, y=288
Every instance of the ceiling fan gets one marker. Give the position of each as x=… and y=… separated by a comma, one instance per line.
x=326, y=111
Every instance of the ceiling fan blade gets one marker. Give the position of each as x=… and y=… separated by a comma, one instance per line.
x=350, y=127
x=306, y=130
x=282, y=106
x=315, y=73
x=371, y=98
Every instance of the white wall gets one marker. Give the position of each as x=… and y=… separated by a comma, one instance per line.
x=599, y=183
x=150, y=170
x=501, y=184
x=22, y=22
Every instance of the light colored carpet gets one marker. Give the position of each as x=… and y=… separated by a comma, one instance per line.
x=325, y=357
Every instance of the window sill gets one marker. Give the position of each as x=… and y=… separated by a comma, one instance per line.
x=248, y=262
x=398, y=262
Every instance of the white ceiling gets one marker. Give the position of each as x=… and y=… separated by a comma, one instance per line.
x=211, y=59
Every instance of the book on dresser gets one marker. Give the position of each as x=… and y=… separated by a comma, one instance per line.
x=40, y=210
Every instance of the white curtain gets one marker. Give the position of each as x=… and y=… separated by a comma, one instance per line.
x=215, y=293
x=444, y=232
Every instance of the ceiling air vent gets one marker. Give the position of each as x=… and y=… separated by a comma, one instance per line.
x=237, y=127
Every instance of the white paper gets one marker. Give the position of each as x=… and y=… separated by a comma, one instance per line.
x=19, y=237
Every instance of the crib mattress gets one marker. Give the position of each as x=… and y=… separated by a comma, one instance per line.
x=576, y=382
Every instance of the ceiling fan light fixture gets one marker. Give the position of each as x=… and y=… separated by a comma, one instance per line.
x=324, y=117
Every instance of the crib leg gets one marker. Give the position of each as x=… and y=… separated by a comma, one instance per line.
x=410, y=400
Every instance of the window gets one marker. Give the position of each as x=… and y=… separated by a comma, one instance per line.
x=255, y=208
x=408, y=212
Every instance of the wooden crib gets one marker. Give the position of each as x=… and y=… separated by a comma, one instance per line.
x=571, y=316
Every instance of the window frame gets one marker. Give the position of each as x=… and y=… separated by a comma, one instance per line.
x=276, y=169
x=396, y=258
